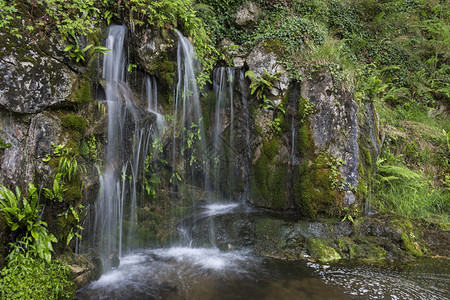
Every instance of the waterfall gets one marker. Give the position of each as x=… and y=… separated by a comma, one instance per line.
x=189, y=145
x=152, y=100
x=223, y=152
x=127, y=142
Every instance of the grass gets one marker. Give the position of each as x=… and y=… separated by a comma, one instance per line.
x=411, y=179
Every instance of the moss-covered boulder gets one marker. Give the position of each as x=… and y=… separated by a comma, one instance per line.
x=31, y=80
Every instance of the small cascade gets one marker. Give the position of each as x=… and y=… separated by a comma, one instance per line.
x=189, y=146
x=246, y=195
x=223, y=160
x=127, y=140
x=189, y=159
x=152, y=100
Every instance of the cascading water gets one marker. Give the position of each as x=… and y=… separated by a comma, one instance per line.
x=152, y=100
x=127, y=140
x=189, y=139
x=224, y=116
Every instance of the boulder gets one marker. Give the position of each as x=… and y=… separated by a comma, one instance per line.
x=262, y=60
x=30, y=80
x=153, y=45
x=247, y=16
x=85, y=267
x=334, y=127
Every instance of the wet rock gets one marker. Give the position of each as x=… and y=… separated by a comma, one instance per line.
x=152, y=46
x=231, y=50
x=334, y=127
x=375, y=239
x=85, y=267
x=30, y=80
x=247, y=16
x=262, y=60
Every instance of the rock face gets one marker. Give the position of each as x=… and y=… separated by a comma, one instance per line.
x=152, y=47
x=304, y=146
x=29, y=81
x=375, y=239
x=247, y=16
x=334, y=128
x=261, y=60
x=43, y=101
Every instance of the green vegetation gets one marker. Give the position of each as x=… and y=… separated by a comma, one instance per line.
x=4, y=145
x=28, y=278
x=30, y=273
x=74, y=122
x=22, y=215
x=261, y=87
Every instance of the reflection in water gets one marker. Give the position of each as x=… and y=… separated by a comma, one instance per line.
x=199, y=273
x=426, y=279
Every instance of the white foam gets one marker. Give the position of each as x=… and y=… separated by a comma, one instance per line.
x=205, y=258
x=219, y=208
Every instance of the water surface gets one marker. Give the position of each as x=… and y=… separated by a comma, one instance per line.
x=208, y=273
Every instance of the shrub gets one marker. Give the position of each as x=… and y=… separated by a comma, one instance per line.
x=30, y=278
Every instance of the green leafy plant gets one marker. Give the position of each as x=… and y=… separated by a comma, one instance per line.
x=4, y=145
x=23, y=214
x=261, y=87
x=85, y=54
x=27, y=277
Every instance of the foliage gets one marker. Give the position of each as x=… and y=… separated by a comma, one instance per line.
x=85, y=54
x=67, y=169
x=23, y=215
x=67, y=18
x=176, y=14
x=407, y=193
x=261, y=87
x=4, y=145
x=152, y=167
x=27, y=277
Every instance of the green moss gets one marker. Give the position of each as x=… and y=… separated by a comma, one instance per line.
x=268, y=235
x=269, y=179
x=275, y=46
x=316, y=187
x=367, y=157
x=270, y=149
x=320, y=249
x=74, y=192
x=208, y=107
x=74, y=122
x=165, y=70
x=83, y=93
x=361, y=189
x=305, y=139
x=412, y=238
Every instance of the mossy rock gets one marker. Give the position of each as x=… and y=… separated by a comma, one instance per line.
x=74, y=192
x=315, y=188
x=74, y=122
x=362, y=248
x=411, y=236
x=322, y=250
x=83, y=93
x=269, y=181
x=165, y=70
x=269, y=235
